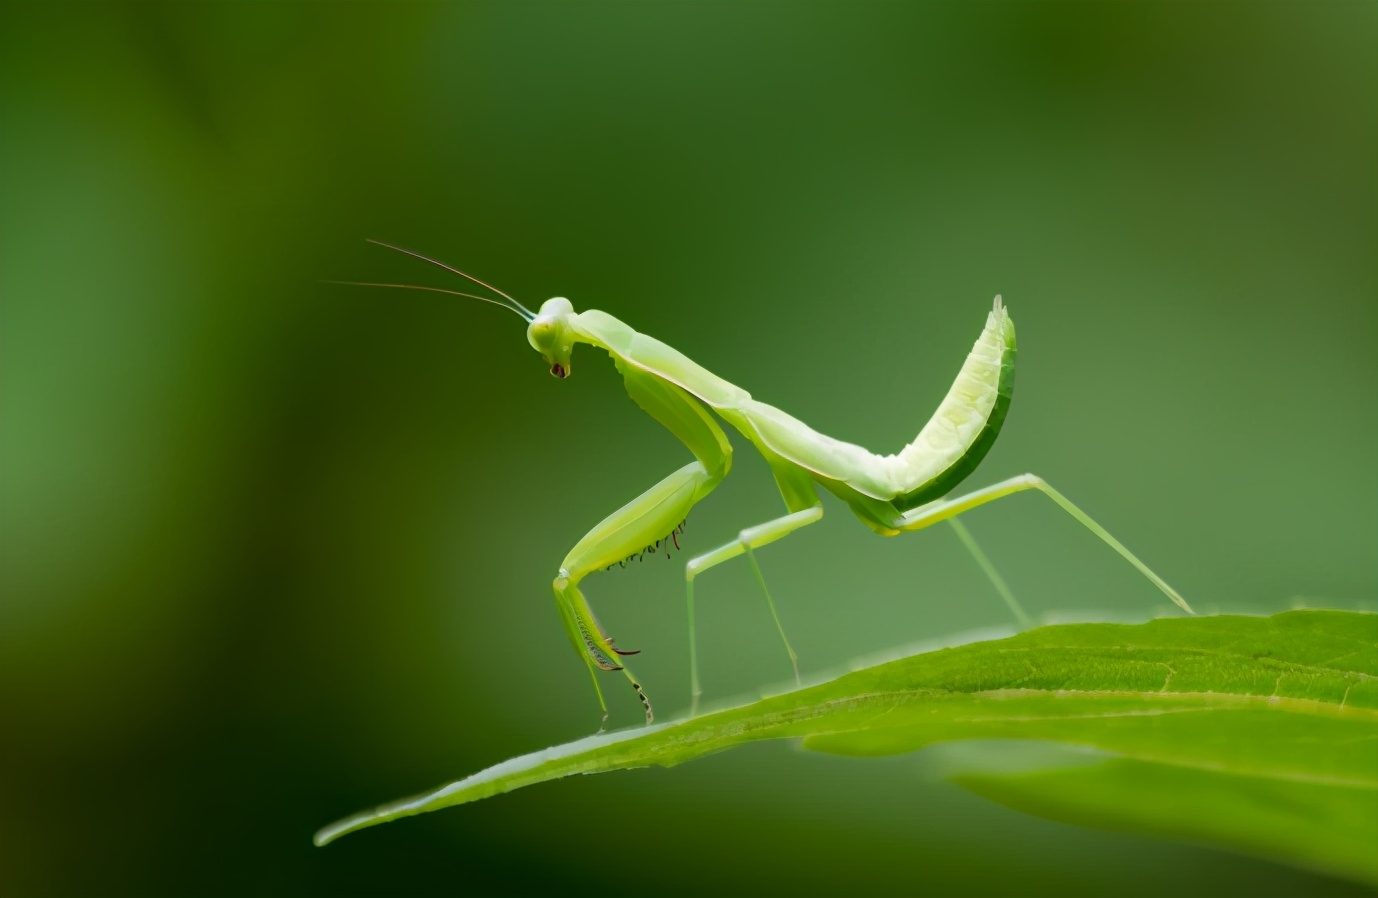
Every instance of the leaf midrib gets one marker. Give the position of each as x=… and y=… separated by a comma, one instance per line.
x=1213, y=701
x=1179, y=651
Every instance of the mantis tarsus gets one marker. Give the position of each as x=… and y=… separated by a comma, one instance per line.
x=891, y=494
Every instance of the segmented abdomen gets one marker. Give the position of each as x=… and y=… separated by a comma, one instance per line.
x=948, y=447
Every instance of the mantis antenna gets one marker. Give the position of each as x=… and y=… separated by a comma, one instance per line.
x=527, y=316
x=511, y=303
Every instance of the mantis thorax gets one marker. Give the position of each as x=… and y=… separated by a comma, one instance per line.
x=549, y=334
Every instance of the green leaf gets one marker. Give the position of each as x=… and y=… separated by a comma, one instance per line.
x=1258, y=734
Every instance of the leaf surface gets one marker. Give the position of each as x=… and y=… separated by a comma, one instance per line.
x=1258, y=734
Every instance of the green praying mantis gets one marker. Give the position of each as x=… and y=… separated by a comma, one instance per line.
x=891, y=494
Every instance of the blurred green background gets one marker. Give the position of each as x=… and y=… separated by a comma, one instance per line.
x=276, y=549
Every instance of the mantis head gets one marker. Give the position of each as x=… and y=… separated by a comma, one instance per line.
x=550, y=335
x=548, y=331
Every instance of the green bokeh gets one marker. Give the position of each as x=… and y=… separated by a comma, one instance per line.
x=275, y=549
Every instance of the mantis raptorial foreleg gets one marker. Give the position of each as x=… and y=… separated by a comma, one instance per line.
x=924, y=515
x=654, y=515
x=627, y=531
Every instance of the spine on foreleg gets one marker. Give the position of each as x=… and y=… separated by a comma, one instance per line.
x=581, y=625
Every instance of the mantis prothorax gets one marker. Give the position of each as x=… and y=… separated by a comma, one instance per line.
x=891, y=494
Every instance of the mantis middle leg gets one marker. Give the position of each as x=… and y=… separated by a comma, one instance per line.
x=805, y=509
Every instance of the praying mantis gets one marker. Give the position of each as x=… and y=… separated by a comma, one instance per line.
x=890, y=494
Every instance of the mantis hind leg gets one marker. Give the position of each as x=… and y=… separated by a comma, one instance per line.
x=993, y=575
x=949, y=509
